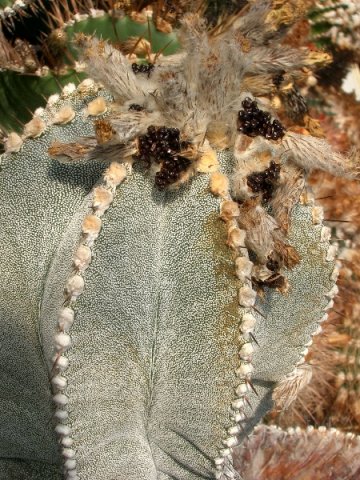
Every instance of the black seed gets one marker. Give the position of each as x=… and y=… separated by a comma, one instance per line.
x=252, y=122
x=136, y=107
x=273, y=265
x=265, y=182
x=142, y=68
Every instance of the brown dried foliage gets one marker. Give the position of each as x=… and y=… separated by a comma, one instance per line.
x=332, y=397
x=275, y=454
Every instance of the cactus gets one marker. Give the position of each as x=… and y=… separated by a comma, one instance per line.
x=37, y=66
x=153, y=311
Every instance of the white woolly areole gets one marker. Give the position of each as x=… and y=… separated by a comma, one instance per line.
x=60, y=399
x=247, y=296
x=236, y=238
x=65, y=115
x=75, y=286
x=62, y=363
x=229, y=210
x=336, y=271
x=242, y=389
x=234, y=430
x=39, y=112
x=325, y=234
x=61, y=415
x=238, y=404
x=219, y=184
x=96, y=107
x=333, y=292
x=13, y=143
x=245, y=369
x=66, y=318
x=331, y=253
x=317, y=215
x=59, y=381
x=246, y=351
x=63, y=430
x=231, y=442
x=62, y=341
x=69, y=89
x=53, y=99
x=68, y=452
x=102, y=199
x=34, y=128
x=239, y=417
x=91, y=225
x=115, y=174
x=329, y=305
x=72, y=475
x=248, y=322
x=66, y=441
x=243, y=268
x=70, y=464
x=82, y=257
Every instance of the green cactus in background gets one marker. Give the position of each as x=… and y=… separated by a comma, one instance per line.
x=163, y=267
x=34, y=69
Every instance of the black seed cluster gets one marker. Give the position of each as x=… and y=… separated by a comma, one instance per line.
x=162, y=145
x=272, y=265
x=158, y=143
x=171, y=170
x=136, y=107
x=142, y=68
x=265, y=182
x=253, y=122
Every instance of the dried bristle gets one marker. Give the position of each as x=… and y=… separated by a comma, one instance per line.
x=286, y=13
x=67, y=152
x=271, y=453
x=288, y=389
x=103, y=131
x=259, y=227
x=311, y=153
x=138, y=45
x=290, y=186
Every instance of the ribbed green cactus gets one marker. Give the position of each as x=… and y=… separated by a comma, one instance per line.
x=152, y=371
x=55, y=64
x=145, y=311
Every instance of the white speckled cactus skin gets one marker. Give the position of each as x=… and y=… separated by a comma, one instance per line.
x=156, y=336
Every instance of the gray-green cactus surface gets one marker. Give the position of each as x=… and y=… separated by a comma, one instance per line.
x=157, y=331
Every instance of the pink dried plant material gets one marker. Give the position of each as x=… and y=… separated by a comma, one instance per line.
x=334, y=390
x=274, y=454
